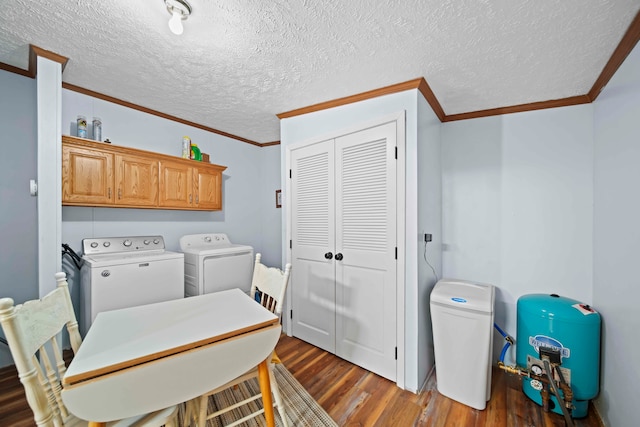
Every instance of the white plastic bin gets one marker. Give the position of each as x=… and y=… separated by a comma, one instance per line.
x=462, y=319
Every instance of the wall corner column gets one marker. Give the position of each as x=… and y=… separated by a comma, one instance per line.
x=47, y=68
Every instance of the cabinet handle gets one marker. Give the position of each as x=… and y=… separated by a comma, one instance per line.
x=197, y=199
x=328, y=255
x=339, y=257
x=190, y=198
x=119, y=193
x=109, y=193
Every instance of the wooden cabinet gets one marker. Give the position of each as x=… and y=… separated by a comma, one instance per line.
x=206, y=186
x=98, y=174
x=176, y=183
x=87, y=176
x=136, y=180
x=189, y=186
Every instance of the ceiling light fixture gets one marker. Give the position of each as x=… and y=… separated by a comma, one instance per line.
x=179, y=10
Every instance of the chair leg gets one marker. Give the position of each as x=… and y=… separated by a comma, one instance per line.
x=172, y=421
x=202, y=405
x=192, y=413
x=276, y=396
x=189, y=413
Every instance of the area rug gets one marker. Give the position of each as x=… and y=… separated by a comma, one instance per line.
x=301, y=409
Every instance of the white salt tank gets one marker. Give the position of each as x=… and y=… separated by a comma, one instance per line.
x=462, y=320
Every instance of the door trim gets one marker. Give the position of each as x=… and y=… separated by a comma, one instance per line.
x=399, y=119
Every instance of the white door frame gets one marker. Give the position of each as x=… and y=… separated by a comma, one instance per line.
x=399, y=119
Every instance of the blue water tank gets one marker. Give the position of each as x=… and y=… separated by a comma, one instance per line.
x=569, y=326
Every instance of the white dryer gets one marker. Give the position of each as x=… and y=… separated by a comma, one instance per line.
x=212, y=263
x=121, y=272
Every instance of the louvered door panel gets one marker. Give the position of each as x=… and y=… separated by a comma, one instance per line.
x=363, y=198
x=365, y=237
x=313, y=224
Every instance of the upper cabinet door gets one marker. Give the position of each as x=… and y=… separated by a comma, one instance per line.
x=137, y=180
x=207, y=188
x=176, y=185
x=87, y=176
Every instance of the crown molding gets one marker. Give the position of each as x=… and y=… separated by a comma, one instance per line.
x=626, y=45
x=15, y=70
x=268, y=144
x=387, y=90
x=430, y=97
x=554, y=103
x=35, y=52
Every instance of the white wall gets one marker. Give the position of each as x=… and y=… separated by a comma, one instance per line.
x=429, y=221
x=616, y=287
x=518, y=206
x=18, y=209
x=317, y=124
x=271, y=234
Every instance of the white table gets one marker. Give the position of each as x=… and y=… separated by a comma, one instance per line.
x=142, y=359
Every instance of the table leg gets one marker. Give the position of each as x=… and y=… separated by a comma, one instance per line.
x=97, y=424
x=265, y=388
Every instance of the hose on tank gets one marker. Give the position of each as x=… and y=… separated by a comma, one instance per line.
x=567, y=416
x=507, y=338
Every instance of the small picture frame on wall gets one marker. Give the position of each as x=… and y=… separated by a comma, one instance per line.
x=278, y=198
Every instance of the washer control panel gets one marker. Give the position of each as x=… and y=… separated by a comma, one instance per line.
x=110, y=245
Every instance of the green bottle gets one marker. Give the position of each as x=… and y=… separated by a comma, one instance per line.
x=195, y=153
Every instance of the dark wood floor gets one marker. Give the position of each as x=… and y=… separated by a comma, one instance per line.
x=355, y=397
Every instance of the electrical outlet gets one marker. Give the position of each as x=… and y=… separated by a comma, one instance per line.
x=427, y=237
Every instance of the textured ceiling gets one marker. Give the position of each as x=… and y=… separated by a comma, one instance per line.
x=240, y=62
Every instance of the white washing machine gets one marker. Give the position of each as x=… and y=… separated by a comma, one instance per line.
x=212, y=263
x=121, y=272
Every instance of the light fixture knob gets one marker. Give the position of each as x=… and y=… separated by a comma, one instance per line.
x=175, y=23
x=179, y=10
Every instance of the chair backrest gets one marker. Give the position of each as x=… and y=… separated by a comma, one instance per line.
x=32, y=331
x=271, y=283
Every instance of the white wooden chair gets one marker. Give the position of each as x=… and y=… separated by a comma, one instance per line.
x=32, y=331
x=268, y=286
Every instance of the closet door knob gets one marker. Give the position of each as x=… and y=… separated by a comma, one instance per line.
x=328, y=255
x=339, y=257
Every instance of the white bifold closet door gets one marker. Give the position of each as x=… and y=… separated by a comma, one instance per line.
x=343, y=205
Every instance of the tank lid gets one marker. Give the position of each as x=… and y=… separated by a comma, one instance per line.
x=464, y=295
x=558, y=307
